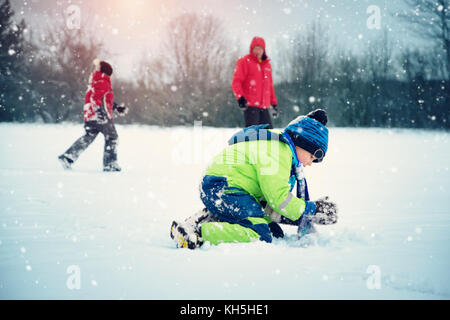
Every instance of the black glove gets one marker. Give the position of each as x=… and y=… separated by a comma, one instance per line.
x=275, y=111
x=326, y=212
x=243, y=104
x=276, y=230
x=122, y=110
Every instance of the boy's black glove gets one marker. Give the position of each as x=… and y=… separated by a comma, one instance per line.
x=326, y=212
x=243, y=104
x=121, y=109
x=275, y=111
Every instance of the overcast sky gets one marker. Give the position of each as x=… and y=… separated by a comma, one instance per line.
x=128, y=27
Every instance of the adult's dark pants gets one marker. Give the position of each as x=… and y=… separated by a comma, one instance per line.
x=92, y=129
x=256, y=116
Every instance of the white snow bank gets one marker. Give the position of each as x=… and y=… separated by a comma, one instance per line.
x=109, y=233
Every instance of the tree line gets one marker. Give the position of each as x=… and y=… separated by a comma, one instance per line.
x=44, y=77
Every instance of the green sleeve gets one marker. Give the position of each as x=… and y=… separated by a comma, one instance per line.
x=273, y=171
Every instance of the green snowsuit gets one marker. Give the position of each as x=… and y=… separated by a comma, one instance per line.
x=261, y=169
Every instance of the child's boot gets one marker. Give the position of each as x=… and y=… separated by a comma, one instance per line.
x=113, y=167
x=186, y=234
x=65, y=162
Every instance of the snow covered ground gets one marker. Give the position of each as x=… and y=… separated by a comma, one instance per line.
x=84, y=234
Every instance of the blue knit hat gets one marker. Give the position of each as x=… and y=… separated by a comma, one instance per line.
x=309, y=133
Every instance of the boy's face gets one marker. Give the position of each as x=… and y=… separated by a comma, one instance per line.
x=305, y=157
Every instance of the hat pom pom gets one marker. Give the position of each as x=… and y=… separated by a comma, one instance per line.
x=96, y=62
x=319, y=115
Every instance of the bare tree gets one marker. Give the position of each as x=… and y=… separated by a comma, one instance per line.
x=61, y=70
x=431, y=20
x=191, y=78
x=305, y=59
x=348, y=104
x=379, y=58
x=379, y=67
x=304, y=67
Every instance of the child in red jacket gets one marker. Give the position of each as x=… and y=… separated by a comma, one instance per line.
x=98, y=118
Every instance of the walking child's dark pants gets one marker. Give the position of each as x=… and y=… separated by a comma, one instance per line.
x=92, y=129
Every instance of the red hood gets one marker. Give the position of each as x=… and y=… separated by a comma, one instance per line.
x=258, y=41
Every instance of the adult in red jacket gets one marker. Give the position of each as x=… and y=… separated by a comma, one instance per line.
x=98, y=118
x=253, y=85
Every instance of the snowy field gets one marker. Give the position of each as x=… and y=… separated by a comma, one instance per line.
x=85, y=234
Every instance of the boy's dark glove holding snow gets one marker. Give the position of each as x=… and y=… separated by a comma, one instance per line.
x=325, y=211
x=121, y=109
x=321, y=211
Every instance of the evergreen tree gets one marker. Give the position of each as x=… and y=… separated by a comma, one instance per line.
x=13, y=81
